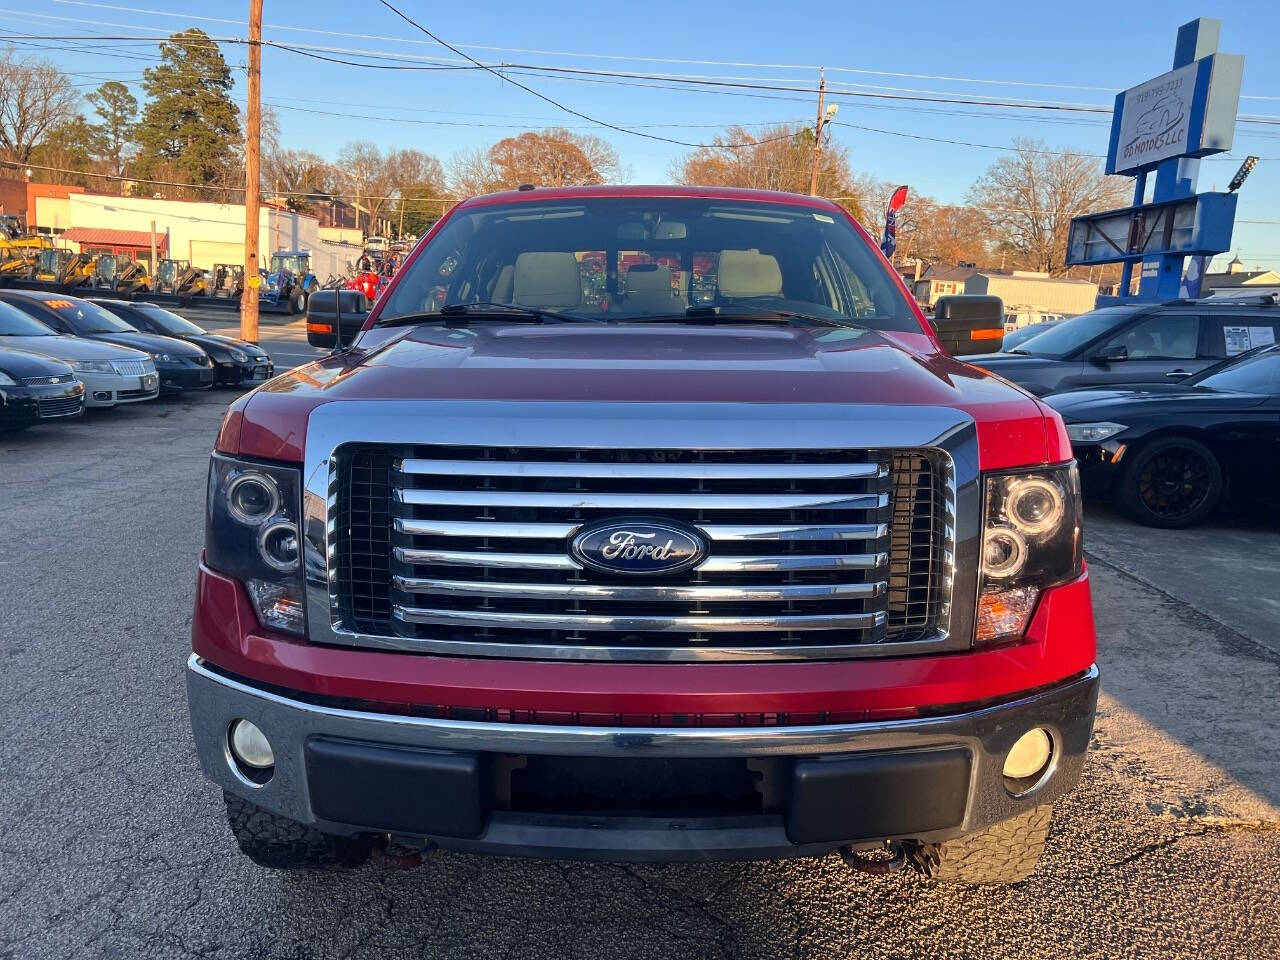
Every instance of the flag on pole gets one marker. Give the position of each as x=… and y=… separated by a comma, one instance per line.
x=890, y=241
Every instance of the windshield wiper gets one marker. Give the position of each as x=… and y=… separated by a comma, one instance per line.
x=458, y=313
x=709, y=314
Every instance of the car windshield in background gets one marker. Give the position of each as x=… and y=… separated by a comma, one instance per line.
x=1259, y=373
x=15, y=323
x=622, y=258
x=1069, y=335
x=171, y=323
x=88, y=318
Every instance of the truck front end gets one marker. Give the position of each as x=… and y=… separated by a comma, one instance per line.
x=643, y=590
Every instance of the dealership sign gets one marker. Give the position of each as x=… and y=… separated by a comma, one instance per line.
x=1187, y=112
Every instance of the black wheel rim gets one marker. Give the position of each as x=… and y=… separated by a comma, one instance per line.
x=1174, y=484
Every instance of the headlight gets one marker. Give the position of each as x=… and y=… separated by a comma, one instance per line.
x=1094, y=432
x=1032, y=540
x=239, y=356
x=6, y=380
x=164, y=358
x=94, y=366
x=251, y=533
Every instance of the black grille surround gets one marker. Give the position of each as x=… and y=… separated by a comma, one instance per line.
x=807, y=549
x=51, y=407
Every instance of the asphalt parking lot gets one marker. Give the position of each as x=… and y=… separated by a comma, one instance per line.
x=113, y=844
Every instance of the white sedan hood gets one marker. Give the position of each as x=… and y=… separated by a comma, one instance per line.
x=73, y=348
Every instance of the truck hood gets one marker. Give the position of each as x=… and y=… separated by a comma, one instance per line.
x=638, y=363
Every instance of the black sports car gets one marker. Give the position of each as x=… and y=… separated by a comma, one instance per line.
x=35, y=388
x=181, y=366
x=237, y=362
x=1169, y=454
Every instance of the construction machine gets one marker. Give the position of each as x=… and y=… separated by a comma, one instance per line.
x=228, y=281
x=178, y=278
x=62, y=267
x=120, y=273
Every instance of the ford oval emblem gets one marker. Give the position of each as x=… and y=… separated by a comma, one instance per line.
x=638, y=547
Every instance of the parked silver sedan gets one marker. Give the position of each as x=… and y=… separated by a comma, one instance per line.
x=111, y=374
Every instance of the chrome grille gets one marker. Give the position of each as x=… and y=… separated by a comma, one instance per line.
x=133, y=368
x=809, y=550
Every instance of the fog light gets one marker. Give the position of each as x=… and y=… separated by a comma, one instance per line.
x=1027, y=762
x=250, y=746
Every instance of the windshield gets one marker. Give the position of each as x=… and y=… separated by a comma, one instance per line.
x=1069, y=335
x=619, y=258
x=1254, y=373
x=292, y=264
x=170, y=323
x=86, y=318
x=15, y=323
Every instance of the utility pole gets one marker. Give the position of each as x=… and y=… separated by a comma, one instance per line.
x=252, y=151
x=817, y=140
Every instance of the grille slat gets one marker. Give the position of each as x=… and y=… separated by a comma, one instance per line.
x=467, y=547
x=61, y=406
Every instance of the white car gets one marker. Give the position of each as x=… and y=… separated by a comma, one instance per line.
x=110, y=374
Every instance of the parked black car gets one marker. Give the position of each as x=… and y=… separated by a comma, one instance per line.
x=181, y=366
x=1136, y=343
x=1169, y=454
x=236, y=362
x=35, y=388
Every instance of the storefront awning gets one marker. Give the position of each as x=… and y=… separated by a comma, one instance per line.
x=116, y=239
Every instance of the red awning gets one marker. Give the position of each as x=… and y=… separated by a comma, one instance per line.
x=124, y=239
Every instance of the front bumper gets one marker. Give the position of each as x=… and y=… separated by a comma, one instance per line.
x=179, y=378
x=107, y=390
x=27, y=404
x=233, y=374
x=454, y=782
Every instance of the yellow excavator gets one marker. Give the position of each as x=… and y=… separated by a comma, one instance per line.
x=179, y=278
x=120, y=273
x=18, y=256
x=63, y=267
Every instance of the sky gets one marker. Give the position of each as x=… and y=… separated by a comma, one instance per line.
x=1075, y=54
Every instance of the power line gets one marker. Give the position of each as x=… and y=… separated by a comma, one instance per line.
x=541, y=96
x=629, y=58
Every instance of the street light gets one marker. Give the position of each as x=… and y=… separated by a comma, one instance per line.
x=1242, y=174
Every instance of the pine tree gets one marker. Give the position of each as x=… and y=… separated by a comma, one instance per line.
x=190, y=130
x=117, y=109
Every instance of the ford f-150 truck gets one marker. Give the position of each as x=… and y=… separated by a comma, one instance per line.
x=644, y=523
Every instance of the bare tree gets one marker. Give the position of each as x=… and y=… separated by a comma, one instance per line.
x=365, y=171
x=472, y=172
x=1029, y=197
x=35, y=96
x=414, y=168
x=554, y=157
x=300, y=176
x=777, y=158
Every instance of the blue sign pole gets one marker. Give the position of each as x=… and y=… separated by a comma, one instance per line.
x=1164, y=126
x=1176, y=176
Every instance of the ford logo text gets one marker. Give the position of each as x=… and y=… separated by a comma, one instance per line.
x=642, y=547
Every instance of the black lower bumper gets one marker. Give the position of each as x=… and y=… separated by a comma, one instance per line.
x=233, y=374
x=26, y=405
x=175, y=379
x=640, y=794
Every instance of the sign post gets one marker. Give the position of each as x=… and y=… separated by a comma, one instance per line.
x=1166, y=125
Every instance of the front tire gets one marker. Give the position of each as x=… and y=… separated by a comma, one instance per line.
x=276, y=842
x=998, y=856
x=1173, y=482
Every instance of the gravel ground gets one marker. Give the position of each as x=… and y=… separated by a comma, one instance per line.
x=115, y=846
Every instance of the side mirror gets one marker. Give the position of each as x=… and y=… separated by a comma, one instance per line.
x=969, y=324
x=1111, y=353
x=334, y=317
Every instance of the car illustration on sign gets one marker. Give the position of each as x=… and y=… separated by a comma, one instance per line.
x=1165, y=114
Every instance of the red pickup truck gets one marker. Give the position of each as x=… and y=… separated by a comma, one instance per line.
x=644, y=523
